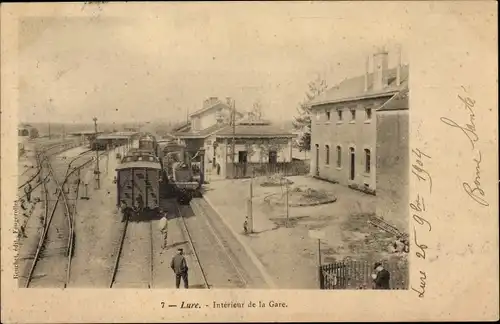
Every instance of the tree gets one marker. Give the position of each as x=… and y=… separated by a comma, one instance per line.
x=302, y=122
x=256, y=112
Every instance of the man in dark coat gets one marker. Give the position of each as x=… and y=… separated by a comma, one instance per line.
x=27, y=191
x=180, y=268
x=382, y=277
x=140, y=203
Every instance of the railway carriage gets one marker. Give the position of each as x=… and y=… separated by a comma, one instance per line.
x=139, y=175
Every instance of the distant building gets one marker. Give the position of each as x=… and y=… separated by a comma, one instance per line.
x=204, y=123
x=27, y=131
x=256, y=142
x=360, y=136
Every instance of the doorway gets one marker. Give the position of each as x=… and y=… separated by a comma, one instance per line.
x=353, y=163
x=273, y=157
x=242, y=156
x=242, y=159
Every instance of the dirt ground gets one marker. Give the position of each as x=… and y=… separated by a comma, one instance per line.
x=288, y=253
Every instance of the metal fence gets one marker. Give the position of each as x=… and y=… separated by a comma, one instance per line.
x=357, y=275
x=247, y=170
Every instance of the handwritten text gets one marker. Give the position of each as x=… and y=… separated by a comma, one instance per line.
x=469, y=129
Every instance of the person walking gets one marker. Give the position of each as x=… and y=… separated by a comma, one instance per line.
x=27, y=191
x=163, y=225
x=140, y=203
x=382, y=277
x=124, y=210
x=245, y=226
x=180, y=268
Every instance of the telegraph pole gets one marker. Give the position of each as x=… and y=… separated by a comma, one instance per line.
x=250, y=206
x=96, y=171
x=233, y=121
x=287, y=210
x=48, y=114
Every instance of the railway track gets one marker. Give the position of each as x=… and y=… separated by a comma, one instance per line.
x=51, y=264
x=133, y=266
x=183, y=225
x=215, y=257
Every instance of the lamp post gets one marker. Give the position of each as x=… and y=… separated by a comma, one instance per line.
x=287, y=208
x=250, y=205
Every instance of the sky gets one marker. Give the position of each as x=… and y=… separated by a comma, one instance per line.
x=169, y=57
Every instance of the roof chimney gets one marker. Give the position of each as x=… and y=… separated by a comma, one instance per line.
x=380, y=66
x=206, y=103
x=367, y=66
x=398, y=68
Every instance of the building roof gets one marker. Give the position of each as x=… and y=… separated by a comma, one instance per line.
x=253, y=131
x=218, y=104
x=399, y=101
x=116, y=135
x=124, y=133
x=139, y=165
x=252, y=121
x=354, y=88
x=201, y=133
x=84, y=133
x=111, y=137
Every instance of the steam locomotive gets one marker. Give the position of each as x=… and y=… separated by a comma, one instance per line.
x=182, y=180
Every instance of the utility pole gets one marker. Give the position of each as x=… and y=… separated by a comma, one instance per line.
x=107, y=158
x=48, y=113
x=287, y=209
x=250, y=206
x=233, y=121
x=96, y=171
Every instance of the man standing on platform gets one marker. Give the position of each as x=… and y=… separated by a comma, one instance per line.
x=180, y=268
x=124, y=210
x=163, y=225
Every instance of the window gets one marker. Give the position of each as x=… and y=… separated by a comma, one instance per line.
x=328, y=115
x=317, y=116
x=339, y=114
x=327, y=152
x=339, y=157
x=368, y=112
x=367, y=160
x=353, y=114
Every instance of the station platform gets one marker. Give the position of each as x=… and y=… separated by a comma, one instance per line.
x=97, y=226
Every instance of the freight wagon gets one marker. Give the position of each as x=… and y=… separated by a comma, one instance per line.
x=138, y=180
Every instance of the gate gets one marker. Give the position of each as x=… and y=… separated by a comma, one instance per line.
x=350, y=274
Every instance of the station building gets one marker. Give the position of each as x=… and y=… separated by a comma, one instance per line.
x=360, y=136
x=257, y=142
x=115, y=139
